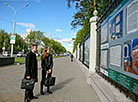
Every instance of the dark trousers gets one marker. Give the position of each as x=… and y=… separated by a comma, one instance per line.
x=43, y=77
x=29, y=94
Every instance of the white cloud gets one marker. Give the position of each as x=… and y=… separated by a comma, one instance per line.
x=63, y=40
x=68, y=43
x=67, y=40
x=59, y=30
x=70, y=47
x=29, y=25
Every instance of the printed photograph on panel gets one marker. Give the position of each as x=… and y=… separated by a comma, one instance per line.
x=86, y=53
x=115, y=27
x=104, y=58
x=104, y=33
x=115, y=55
x=132, y=17
x=131, y=56
x=81, y=53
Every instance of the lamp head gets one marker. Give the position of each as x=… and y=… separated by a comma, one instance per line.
x=26, y=5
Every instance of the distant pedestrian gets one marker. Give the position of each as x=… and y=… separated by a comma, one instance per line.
x=71, y=57
x=47, y=66
x=31, y=71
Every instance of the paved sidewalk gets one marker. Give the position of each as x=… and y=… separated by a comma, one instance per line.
x=70, y=86
x=103, y=88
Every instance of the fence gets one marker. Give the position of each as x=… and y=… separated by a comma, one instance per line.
x=117, y=41
x=117, y=45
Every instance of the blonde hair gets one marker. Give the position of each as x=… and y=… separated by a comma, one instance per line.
x=44, y=53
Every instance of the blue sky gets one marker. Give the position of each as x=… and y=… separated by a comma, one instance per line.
x=50, y=16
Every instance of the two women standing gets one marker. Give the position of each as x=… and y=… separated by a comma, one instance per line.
x=47, y=65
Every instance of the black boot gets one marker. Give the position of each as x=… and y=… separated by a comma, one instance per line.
x=41, y=89
x=48, y=90
x=27, y=100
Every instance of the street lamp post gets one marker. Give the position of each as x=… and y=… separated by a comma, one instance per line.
x=15, y=11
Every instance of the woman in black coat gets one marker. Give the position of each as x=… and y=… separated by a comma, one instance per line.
x=47, y=65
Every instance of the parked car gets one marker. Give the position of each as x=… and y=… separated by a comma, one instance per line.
x=6, y=54
x=20, y=54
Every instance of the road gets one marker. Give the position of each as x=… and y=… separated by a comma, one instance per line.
x=70, y=85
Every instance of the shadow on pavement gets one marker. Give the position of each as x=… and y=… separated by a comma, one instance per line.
x=58, y=86
x=61, y=84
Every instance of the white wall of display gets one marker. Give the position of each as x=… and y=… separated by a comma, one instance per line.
x=87, y=52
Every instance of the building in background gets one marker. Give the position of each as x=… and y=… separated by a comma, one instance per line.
x=28, y=31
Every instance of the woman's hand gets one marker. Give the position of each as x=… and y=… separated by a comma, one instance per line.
x=28, y=77
x=49, y=70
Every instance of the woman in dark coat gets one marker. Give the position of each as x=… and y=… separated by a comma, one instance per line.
x=47, y=65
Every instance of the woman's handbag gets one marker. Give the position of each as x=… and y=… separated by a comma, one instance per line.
x=27, y=84
x=49, y=81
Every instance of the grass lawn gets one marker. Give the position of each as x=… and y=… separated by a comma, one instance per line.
x=22, y=59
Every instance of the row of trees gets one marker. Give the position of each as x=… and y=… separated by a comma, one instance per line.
x=5, y=42
x=36, y=37
x=84, y=11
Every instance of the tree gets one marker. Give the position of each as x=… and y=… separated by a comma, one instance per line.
x=4, y=38
x=35, y=37
x=46, y=41
x=85, y=9
x=20, y=44
x=56, y=47
x=39, y=36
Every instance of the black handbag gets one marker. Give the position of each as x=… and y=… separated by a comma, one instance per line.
x=27, y=84
x=49, y=81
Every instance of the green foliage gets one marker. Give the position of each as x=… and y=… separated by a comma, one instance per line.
x=84, y=12
x=79, y=37
x=19, y=43
x=36, y=37
x=31, y=38
x=85, y=9
x=41, y=50
x=46, y=41
x=4, y=39
x=56, y=47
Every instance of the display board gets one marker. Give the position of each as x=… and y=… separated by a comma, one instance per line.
x=116, y=27
x=126, y=81
x=104, y=33
x=115, y=55
x=132, y=17
x=87, y=52
x=131, y=56
x=81, y=56
x=104, y=58
x=120, y=31
x=76, y=52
